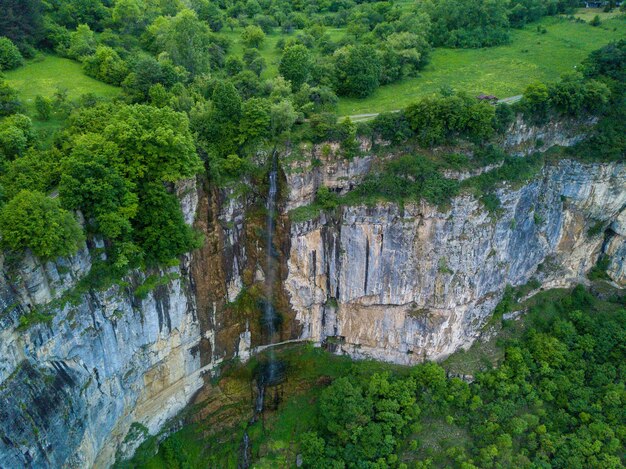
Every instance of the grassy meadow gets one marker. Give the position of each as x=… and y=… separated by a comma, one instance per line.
x=503, y=71
x=47, y=74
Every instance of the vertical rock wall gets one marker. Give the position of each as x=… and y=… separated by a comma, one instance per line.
x=404, y=285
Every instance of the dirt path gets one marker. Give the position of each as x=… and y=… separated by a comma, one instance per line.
x=366, y=117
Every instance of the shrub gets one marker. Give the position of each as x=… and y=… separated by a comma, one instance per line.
x=253, y=36
x=9, y=100
x=10, y=56
x=392, y=126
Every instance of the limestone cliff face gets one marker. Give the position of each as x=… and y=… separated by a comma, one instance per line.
x=71, y=388
x=401, y=285
x=404, y=285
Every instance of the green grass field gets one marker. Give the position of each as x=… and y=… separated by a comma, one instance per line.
x=48, y=73
x=503, y=71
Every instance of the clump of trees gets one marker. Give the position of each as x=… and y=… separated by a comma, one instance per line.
x=437, y=119
x=10, y=56
x=114, y=163
x=32, y=220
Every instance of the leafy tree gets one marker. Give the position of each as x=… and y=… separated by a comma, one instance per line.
x=71, y=13
x=358, y=71
x=209, y=12
x=16, y=135
x=295, y=65
x=282, y=117
x=255, y=120
x=160, y=228
x=129, y=15
x=185, y=39
x=404, y=54
x=90, y=183
x=247, y=84
x=470, y=23
x=34, y=221
x=392, y=126
x=573, y=95
x=233, y=66
x=253, y=36
x=43, y=106
x=10, y=56
x=9, y=99
x=609, y=61
x=82, y=43
x=226, y=101
x=148, y=71
x=437, y=119
x=34, y=170
x=21, y=21
x=106, y=65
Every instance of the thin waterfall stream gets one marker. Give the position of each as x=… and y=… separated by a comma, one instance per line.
x=269, y=313
x=270, y=372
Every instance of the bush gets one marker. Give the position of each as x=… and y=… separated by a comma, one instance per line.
x=392, y=126
x=10, y=56
x=407, y=178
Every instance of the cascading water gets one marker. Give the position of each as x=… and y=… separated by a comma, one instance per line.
x=269, y=314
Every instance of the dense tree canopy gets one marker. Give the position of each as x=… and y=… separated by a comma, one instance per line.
x=35, y=221
x=358, y=71
x=555, y=401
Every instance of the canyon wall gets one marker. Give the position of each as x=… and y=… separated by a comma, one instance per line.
x=104, y=363
x=87, y=373
x=419, y=282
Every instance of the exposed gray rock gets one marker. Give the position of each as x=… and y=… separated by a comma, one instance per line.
x=404, y=285
x=71, y=388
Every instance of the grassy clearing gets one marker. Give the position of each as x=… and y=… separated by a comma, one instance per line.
x=503, y=71
x=47, y=74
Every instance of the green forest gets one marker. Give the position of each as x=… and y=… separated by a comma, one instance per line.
x=182, y=89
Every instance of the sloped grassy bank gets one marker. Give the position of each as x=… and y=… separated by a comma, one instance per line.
x=546, y=386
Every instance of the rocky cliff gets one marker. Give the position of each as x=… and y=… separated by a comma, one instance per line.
x=80, y=366
x=86, y=373
x=407, y=284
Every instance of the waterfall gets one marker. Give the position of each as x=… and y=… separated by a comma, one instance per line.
x=269, y=313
